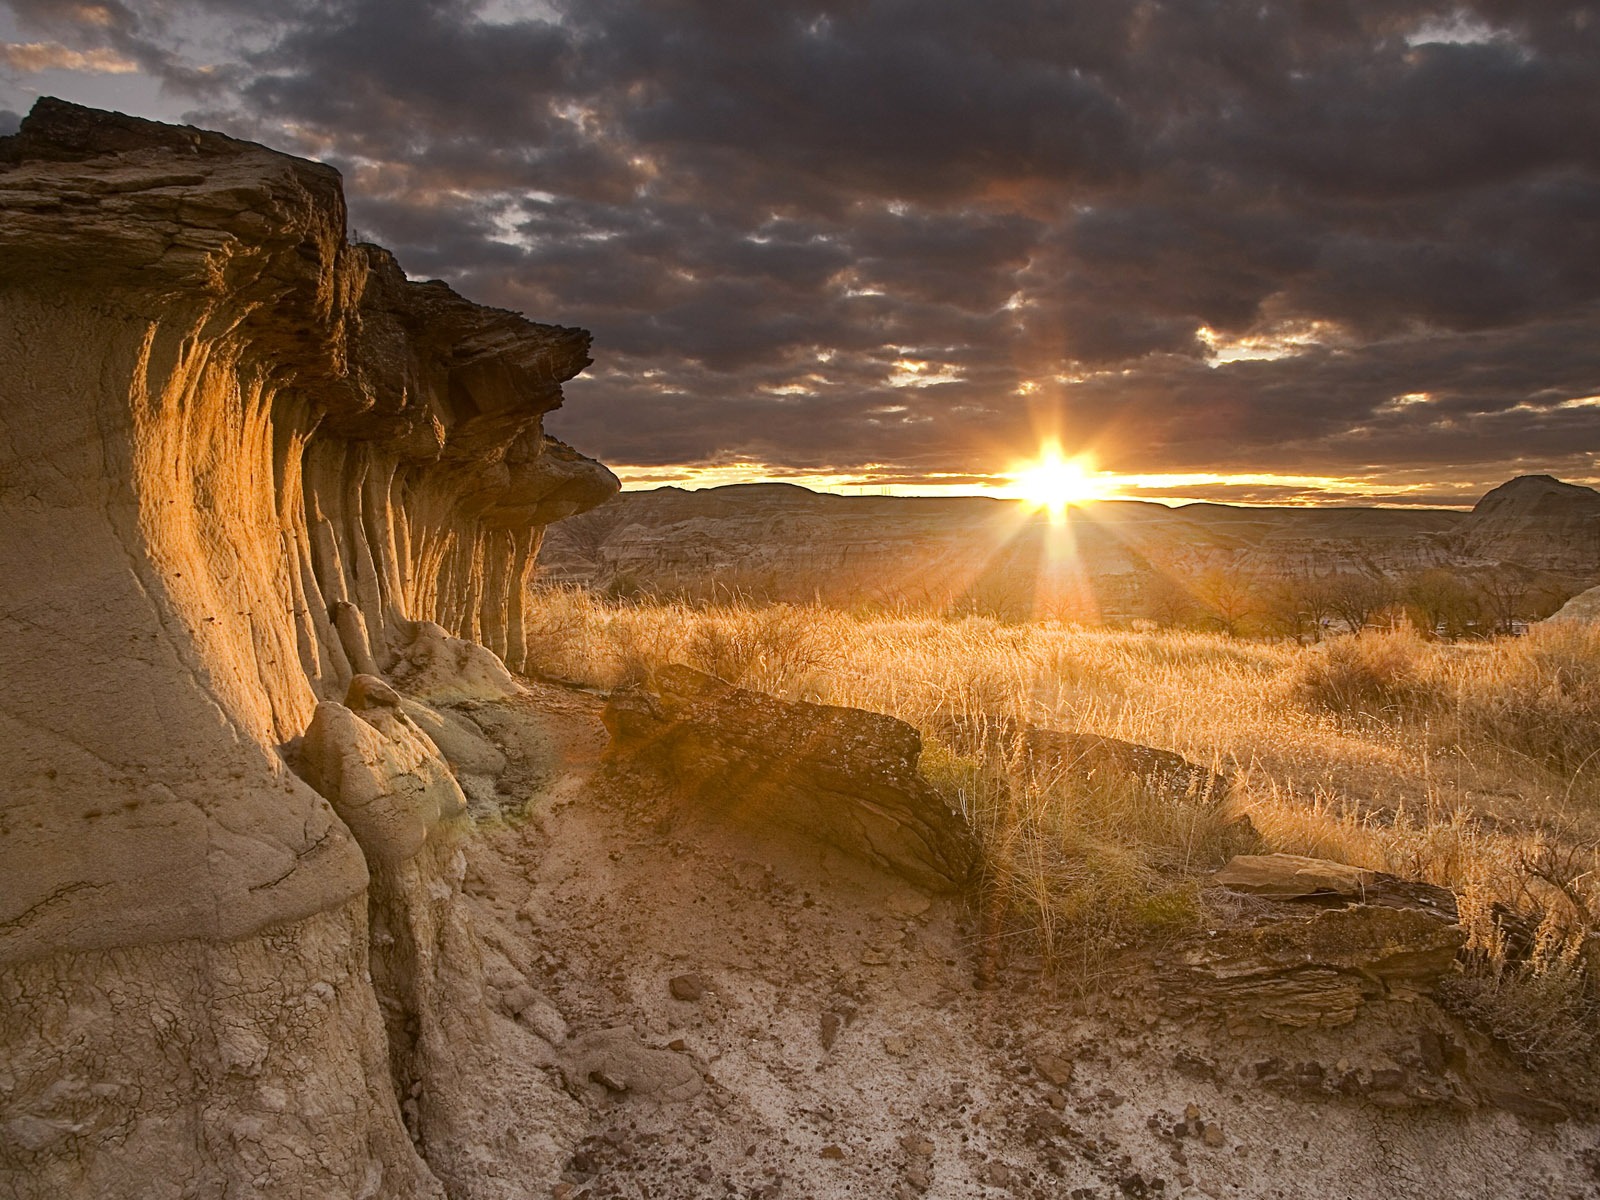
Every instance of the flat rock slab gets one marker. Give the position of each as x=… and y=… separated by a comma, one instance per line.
x=843, y=776
x=1296, y=877
x=616, y=1061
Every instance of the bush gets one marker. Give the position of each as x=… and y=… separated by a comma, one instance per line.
x=1368, y=673
x=1543, y=1013
x=1536, y=696
x=782, y=648
x=1082, y=867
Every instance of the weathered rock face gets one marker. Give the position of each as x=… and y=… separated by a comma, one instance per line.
x=243, y=461
x=1319, y=880
x=842, y=776
x=1329, y=938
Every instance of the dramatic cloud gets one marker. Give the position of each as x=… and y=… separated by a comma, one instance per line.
x=31, y=57
x=1351, y=242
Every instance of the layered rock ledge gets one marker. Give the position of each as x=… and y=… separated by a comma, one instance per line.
x=840, y=776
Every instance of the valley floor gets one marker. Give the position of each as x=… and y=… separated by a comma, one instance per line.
x=765, y=1018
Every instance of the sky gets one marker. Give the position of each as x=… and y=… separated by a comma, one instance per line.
x=1302, y=252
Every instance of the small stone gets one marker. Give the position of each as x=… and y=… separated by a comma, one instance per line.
x=995, y=1174
x=896, y=1046
x=832, y=1152
x=903, y=902
x=608, y=1081
x=916, y=1145
x=918, y=1175
x=1211, y=1134
x=678, y=1044
x=687, y=987
x=1052, y=1068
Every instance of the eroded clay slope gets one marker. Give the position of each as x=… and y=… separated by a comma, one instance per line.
x=242, y=461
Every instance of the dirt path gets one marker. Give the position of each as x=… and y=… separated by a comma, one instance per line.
x=745, y=1018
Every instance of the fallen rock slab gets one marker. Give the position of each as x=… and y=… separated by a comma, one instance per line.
x=1296, y=877
x=1092, y=755
x=846, y=777
x=617, y=1062
x=1315, y=968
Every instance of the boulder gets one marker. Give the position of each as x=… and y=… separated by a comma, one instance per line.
x=438, y=668
x=1582, y=609
x=843, y=776
x=1091, y=754
x=616, y=1061
x=1315, y=968
x=383, y=775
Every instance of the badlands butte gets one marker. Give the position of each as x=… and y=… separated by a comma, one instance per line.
x=310, y=888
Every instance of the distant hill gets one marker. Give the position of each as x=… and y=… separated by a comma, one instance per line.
x=1112, y=559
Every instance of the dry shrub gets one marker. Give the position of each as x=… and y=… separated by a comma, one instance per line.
x=1537, y=696
x=1082, y=867
x=1542, y=1008
x=782, y=649
x=1370, y=673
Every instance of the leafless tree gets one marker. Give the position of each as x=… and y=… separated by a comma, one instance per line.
x=1356, y=599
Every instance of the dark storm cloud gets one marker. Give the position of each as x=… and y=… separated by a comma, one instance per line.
x=908, y=237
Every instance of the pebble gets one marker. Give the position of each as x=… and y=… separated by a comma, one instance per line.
x=916, y=1145
x=1052, y=1068
x=905, y=903
x=831, y=1151
x=995, y=1174
x=687, y=987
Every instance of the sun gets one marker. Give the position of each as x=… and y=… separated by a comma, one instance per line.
x=1054, y=481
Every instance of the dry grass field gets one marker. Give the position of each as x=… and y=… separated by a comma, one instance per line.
x=1475, y=766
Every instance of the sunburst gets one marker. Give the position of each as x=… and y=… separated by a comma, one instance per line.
x=1054, y=482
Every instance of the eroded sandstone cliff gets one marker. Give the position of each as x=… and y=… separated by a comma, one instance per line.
x=243, y=462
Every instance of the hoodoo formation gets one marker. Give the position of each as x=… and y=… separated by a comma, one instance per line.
x=244, y=461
